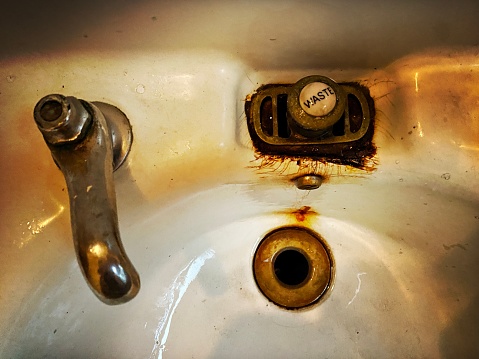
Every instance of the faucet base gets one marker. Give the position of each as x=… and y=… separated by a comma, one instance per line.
x=120, y=132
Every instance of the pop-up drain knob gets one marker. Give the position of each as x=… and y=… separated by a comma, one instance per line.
x=317, y=99
x=315, y=103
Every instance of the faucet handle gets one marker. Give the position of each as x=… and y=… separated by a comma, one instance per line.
x=88, y=141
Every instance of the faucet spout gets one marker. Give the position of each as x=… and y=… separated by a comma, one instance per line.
x=82, y=138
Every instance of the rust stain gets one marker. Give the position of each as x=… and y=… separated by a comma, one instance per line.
x=300, y=215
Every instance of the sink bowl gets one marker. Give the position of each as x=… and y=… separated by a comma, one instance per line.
x=195, y=199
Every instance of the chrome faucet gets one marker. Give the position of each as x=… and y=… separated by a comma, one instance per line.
x=88, y=141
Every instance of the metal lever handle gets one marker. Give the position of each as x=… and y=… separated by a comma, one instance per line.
x=82, y=138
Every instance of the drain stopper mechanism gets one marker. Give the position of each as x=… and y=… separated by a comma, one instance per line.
x=316, y=103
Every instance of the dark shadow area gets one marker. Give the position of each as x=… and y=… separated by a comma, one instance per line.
x=328, y=34
x=461, y=338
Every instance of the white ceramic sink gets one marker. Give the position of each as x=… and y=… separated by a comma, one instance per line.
x=194, y=202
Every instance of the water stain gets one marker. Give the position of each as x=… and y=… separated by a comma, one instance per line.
x=458, y=245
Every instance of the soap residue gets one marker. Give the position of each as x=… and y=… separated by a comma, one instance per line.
x=358, y=288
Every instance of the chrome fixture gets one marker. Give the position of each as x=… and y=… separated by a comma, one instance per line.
x=88, y=141
x=308, y=182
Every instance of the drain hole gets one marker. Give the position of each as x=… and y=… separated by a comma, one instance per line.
x=338, y=128
x=283, y=128
x=355, y=113
x=291, y=267
x=267, y=116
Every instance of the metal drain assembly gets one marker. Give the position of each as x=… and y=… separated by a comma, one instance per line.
x=293, y=267
x=315, y=118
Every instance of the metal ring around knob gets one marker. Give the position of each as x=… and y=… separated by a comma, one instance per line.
x=314, y=126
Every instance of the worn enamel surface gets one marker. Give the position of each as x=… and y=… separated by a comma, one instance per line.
x=193, y=203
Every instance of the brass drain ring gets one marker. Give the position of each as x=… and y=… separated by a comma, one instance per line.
x=292, y=267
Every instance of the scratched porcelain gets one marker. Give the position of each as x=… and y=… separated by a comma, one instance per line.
x=194, y=200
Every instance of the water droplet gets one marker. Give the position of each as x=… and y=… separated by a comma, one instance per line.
x=11, y=78
x=446, y=176
x=140, y=89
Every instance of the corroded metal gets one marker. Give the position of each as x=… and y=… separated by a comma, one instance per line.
x=305, y=291
x=307, y=129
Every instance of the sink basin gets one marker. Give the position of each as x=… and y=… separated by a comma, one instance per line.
x=195, y=200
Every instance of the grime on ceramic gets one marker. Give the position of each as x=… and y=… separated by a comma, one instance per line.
x=396, y=221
